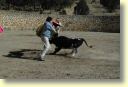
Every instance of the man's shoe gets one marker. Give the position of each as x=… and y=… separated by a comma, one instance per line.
x=41, y=58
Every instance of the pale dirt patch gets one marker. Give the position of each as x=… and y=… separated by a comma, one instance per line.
x=19, y=51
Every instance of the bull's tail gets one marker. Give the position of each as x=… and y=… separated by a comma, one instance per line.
x=86, y=43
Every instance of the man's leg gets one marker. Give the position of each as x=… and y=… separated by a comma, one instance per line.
x=46, y=47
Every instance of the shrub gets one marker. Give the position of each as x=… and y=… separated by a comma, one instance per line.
x=81, y=8
x=110, y=5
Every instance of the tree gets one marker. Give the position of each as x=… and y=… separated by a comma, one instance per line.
x=110, y=5
x=81, y=8
x=45, y=4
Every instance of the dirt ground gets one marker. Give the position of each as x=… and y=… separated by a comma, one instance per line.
x=19, y=51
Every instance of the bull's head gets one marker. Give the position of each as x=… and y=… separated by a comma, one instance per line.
x=53, y=39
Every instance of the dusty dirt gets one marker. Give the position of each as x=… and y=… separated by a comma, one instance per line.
x=19, y=51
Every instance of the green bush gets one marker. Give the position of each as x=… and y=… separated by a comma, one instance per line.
x=110, y=5
x=81, y=8
x=45, y=4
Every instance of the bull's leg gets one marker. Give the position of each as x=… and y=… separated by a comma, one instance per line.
x=56, y=50
x=74, y=51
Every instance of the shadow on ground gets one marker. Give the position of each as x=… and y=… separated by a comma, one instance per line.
x=32, y=54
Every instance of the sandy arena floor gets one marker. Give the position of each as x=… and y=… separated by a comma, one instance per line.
x=19, y=51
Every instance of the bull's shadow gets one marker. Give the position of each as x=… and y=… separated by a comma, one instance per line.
x=31, y=54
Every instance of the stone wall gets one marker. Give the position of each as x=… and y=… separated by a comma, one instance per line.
x=22, y=20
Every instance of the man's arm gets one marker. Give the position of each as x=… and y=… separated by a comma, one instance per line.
x=54, y=29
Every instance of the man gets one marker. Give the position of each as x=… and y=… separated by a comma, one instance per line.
x=46, y=34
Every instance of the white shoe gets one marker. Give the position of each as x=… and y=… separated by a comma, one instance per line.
x=42, y=58
x=73, y=54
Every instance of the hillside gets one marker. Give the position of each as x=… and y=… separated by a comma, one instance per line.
x=69, y=7
x=95, y=8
